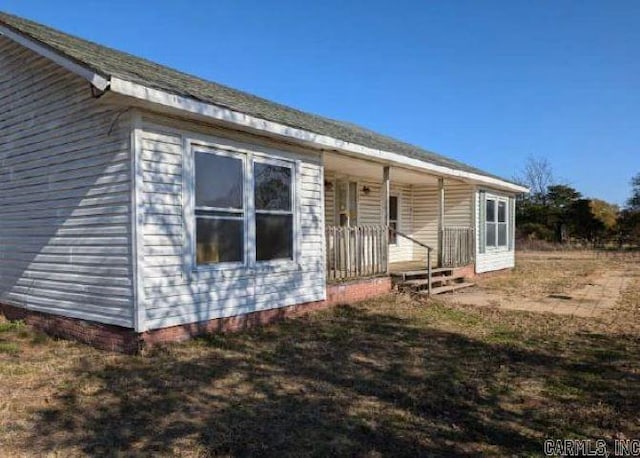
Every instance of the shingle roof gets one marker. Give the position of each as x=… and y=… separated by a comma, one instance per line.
x=110, y=62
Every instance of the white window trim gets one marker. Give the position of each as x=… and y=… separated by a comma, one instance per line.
x=497, y=248
x=248, y=156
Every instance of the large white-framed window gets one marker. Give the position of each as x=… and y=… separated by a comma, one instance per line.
x=496, y=222
x=241, y=208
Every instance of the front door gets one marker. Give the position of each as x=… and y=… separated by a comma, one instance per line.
x=397, y=245
x=346, y=203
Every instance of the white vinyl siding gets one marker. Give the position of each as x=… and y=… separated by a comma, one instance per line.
x=425, y=219
x=458, y=204
x=174, y=293
x=65, y=194
x=494, y=258
x=329, y=198
x=458, y=212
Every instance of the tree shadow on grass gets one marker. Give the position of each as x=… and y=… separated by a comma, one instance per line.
x=352, y=383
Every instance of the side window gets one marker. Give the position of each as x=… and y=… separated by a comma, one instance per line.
x=496, y=222
x=273, y=196
x=219, y=208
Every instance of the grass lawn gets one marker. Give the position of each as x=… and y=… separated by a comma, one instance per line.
x=387, y=377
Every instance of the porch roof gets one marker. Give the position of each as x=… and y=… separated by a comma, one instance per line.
x=132, y=76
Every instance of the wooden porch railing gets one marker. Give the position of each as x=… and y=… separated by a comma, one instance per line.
x=353, y=252
x=458, y=246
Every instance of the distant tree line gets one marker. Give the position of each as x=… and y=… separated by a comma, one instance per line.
x=558, y=213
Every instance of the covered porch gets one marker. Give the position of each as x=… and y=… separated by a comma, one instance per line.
x=382, y=219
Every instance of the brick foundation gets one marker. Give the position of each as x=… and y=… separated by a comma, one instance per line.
x=469, y=271
x=102, y=336
x=125, y=340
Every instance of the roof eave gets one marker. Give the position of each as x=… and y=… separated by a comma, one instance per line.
x=101, y=82
x=208, y=110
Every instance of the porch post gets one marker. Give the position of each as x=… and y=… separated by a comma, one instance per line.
x=386, y=189
x=440, y=221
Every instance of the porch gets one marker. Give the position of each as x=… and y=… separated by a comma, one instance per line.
x=382, y=220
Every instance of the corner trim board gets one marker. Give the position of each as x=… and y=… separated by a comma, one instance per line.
x=137, y=219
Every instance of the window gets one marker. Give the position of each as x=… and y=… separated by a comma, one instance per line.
x=219, y=208
x=227, y=210
x=496, y=222
x=274, y=211
x=393, y=219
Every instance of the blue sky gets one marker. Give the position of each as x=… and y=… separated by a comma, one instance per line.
x=486, y=82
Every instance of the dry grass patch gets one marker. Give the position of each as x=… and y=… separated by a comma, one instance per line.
x=541, y=274
x=386, y=377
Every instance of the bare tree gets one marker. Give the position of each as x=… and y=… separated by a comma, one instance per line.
x=537, y=175
x=634, y=201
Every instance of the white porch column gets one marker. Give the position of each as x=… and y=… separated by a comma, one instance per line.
x=440, y=220
x=386, y=189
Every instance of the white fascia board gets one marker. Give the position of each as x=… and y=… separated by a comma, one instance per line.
x=187, y=104
x=97, y=80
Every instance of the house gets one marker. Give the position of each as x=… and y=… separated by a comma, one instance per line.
x=139, y=203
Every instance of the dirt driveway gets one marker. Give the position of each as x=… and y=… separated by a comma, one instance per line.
x=577, y=284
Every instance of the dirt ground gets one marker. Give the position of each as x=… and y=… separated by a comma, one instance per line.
x=596, y=287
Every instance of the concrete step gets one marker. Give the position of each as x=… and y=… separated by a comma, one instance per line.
x=446, y=288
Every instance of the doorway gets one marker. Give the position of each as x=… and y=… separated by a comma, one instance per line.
x=346, y=203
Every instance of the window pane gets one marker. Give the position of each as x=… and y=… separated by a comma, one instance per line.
x=219, y=240
x=393, y=207
x=272, y=187
x=491, y=234
x=218, y=181
x=502, y=212
x=502, y=234
x=274, y=237
x=491, y=210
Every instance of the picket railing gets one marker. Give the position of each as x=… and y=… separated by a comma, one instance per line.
x=458, y=246
x=354, y=252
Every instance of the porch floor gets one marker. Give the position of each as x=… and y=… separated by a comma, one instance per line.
x=407, y=266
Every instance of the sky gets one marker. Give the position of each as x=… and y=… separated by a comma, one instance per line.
x=490, y=83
